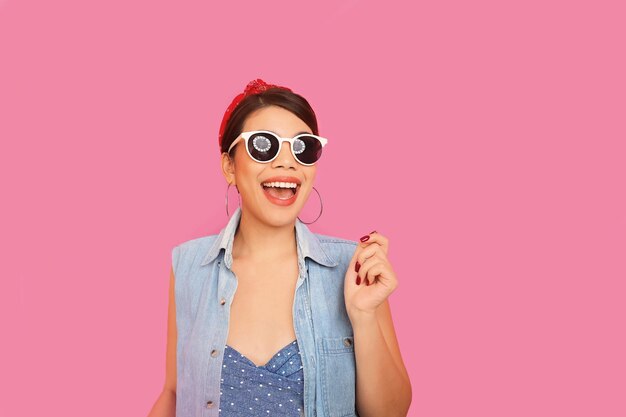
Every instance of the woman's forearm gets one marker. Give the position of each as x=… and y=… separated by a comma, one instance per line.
x=165, y=405
x=381, y=387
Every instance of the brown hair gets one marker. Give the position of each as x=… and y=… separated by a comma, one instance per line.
x=281, y=97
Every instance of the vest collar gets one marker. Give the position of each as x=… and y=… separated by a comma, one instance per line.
x=307, y=241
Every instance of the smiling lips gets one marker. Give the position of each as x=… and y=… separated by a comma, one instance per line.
x=281, y=190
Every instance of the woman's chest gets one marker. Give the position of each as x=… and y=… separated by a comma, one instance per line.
x=264, y=289
x=261, y=313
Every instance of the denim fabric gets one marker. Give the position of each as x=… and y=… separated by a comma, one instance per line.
x=204, y=289
x=273, y=389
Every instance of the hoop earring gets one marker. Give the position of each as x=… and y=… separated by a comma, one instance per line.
x=321, y=208
x=238, y=195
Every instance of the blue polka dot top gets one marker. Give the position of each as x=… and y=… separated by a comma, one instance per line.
x=274, y=389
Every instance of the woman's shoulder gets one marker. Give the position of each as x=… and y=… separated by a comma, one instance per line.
x=329, y=240
x=190, y=249
x=196, y=242
x=338, y=248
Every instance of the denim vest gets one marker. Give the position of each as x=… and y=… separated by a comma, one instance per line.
x=204, y=290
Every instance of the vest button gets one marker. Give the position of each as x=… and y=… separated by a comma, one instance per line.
x=347, y=341
x=222, y=301
x=209, y=404
x=214, y=352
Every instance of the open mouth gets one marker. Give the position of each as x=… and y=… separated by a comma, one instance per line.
x=281, y=193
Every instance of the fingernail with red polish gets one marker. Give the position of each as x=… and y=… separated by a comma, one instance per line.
x=358, y=280
x=365, y=238
x=357, y=266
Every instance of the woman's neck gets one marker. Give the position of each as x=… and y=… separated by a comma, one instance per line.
x=258, y=241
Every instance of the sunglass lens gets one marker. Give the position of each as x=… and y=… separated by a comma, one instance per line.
x=308, y=149
x=263, y=146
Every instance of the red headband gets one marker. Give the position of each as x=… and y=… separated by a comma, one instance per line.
x=254, y=87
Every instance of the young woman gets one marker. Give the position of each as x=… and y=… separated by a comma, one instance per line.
x=267, y=318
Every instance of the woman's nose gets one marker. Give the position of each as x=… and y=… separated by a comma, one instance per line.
x=285, y=157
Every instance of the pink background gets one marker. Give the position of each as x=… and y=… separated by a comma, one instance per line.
x=485, y=139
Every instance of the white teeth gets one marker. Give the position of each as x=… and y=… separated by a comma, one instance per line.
x=280, y=184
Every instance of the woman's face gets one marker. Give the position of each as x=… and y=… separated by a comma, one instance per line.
x=249, y=175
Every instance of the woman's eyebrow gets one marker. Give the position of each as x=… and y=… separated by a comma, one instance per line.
x=299, y=133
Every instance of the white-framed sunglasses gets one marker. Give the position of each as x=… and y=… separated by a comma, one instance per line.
x=264, y=146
